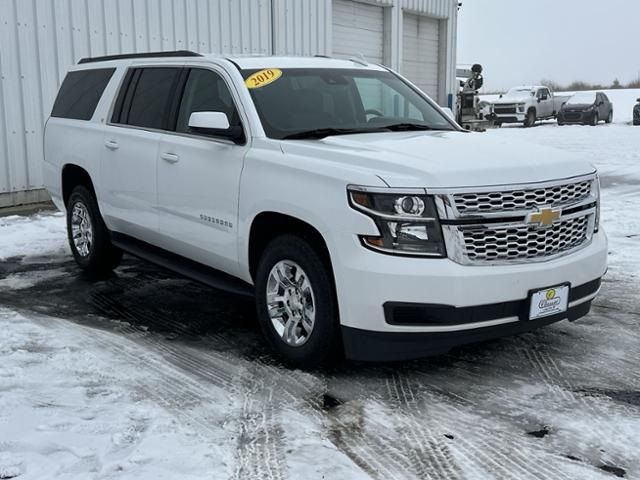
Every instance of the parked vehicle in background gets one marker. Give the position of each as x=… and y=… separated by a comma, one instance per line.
x=343, y=199
x=636, y=113
x=527, y=105
x=586, y=108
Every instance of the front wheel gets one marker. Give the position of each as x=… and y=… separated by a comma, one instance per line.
x=595, y=120
x=296, y=303
x=531, y=119
x=89, y=238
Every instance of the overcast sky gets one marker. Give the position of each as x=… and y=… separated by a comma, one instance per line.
x=524, y=41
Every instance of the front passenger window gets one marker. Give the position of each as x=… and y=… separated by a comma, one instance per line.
x=205, y=91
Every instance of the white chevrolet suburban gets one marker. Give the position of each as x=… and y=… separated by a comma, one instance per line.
x=361, y=217
x=527, y=105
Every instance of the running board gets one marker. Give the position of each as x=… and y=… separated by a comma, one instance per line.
x=188, y=268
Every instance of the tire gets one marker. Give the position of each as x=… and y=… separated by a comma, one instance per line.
x=530, y=121
x=561, y=123
x=595, y=120
x=609, y=117
x=295, y=258
x=93, y=250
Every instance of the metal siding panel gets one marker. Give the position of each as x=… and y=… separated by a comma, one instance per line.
x=12, y=97
x=301, y=28
x=31, y=92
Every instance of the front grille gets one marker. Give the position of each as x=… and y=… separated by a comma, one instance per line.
x=504, y=109
x=524, y=199
x=496, y=226
x=519, y=242
x=572, y=116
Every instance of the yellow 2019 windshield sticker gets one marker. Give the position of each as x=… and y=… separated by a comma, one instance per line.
x=263, y=77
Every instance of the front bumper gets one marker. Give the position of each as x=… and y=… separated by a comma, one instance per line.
x=580, y=118
x=366, y=281
x=508, y=118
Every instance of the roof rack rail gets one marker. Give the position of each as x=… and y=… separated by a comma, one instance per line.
x=176, y=53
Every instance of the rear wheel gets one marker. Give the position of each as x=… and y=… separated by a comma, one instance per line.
x=88, y=235
x=296, y=303
x=530, y=121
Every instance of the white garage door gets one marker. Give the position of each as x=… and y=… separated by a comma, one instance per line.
x=358, y=29
x=420, y=52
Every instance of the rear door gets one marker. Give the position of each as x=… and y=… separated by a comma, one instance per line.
x=199, y=176
x=130, y=152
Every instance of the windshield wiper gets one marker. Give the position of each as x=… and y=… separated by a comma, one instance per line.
x=328, y=132
x=405, y=127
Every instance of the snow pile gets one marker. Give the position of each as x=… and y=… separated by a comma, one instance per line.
x=40, y=235
x=65, y=415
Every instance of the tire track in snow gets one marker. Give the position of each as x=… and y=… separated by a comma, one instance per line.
x=429, y=456
x=565, y=390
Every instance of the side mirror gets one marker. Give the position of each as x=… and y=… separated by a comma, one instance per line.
x=215, y=123
x=209, y=121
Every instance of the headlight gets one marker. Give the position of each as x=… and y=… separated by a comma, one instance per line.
x=408, y=222
x=596, y=185
x=521, y=107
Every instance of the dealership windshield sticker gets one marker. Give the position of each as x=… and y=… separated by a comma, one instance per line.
x=263, y=78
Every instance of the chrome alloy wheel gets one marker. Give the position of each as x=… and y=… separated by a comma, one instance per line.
x=291, y=303
x=81, y=230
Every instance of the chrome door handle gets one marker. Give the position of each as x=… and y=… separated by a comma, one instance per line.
x=111, y=144
x=170, y=157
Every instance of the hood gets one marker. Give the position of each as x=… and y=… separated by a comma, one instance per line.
x=442, y=159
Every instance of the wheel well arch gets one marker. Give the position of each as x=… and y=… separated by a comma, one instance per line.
x=268, y=225
x=72, y=176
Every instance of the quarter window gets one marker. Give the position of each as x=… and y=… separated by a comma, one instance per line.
x=80, y=93
x=205, y=91
x=152, y=98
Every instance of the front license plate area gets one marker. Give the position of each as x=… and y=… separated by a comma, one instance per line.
x=548, y=302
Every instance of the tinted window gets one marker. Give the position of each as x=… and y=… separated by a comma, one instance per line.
x=152, y=98
x=206, y=91
x=80, y=93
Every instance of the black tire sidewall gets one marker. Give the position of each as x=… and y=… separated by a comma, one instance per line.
x=324, y=342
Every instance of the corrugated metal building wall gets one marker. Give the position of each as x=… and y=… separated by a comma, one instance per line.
x=40, y=39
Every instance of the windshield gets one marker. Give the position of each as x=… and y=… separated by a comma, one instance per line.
x=305, y=103
x=519, y=92
x=583, y=98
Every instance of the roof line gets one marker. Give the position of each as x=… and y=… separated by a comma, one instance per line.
x=176, y=53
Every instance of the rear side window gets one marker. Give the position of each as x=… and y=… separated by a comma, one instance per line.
x=80, y=93
x=153, y=94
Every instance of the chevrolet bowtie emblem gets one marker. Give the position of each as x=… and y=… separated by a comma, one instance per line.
x=544, y=217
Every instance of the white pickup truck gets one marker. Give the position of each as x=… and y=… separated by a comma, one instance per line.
x=527, y=105
x=338, y=195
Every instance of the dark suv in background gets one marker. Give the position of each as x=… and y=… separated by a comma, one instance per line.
x=586, y=108
x=636, y=113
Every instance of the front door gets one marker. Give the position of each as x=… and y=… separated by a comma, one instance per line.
x=199, y=177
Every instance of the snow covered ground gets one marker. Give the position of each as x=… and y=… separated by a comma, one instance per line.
x=149, y=376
